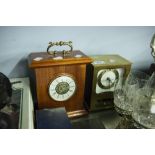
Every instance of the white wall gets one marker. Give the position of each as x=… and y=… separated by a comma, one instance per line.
x=16, y=43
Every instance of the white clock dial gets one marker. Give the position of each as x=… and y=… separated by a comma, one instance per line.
x=62, y=88
x=107, y=78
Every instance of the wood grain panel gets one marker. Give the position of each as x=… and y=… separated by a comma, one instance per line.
x=48, y=60
x=48, y=68
x=44, y=77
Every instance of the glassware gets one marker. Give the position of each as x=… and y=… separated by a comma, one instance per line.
x=151, y=81
x=126, y=95
x=123, y=96
x=144, y=108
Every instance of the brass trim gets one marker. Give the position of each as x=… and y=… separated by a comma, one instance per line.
x=60, y=43
x=77, y=113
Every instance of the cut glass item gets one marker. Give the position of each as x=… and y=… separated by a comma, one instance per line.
x=144, y=108
x=125, y=92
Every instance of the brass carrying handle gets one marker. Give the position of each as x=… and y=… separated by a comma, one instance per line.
x=60, y=43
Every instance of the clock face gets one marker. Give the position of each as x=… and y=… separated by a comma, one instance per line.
x=62, y=88
x=107, y=78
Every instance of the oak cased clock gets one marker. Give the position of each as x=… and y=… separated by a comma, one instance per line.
x=103, y=74
x=60, y=79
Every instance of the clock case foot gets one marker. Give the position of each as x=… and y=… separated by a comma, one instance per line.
x=76, y=114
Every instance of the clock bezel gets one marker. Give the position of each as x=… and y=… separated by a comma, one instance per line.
x=57, y=76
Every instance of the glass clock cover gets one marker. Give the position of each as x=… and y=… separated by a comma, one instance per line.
x=62, y=88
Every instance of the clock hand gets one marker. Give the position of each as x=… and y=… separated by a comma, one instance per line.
x=109, y=80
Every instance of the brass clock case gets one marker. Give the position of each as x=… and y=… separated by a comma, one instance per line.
x=99, y=93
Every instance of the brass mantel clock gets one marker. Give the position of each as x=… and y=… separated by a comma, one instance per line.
x=60, y=78
x=103, y=74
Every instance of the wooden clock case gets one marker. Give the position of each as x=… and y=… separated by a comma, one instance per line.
x=102, y=100
x=49, y=67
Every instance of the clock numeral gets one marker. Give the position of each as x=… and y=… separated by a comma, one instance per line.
x=62, y=88
x=52, y=89
x=72, y=86
x=70, y=90
x=70, y=82
x=58, y=81
x=54, y=93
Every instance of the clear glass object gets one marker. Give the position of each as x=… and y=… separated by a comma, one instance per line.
x=144, y=108
x=129, y=92
x=125, y=91
x=123, y=97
